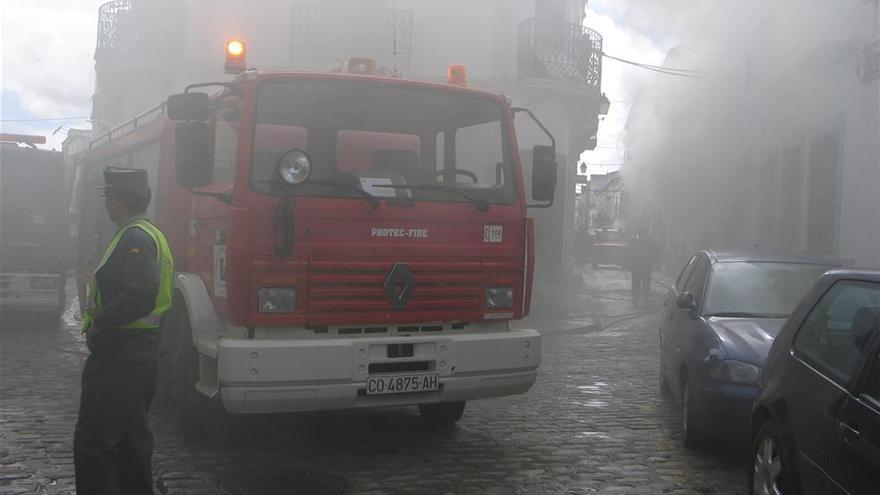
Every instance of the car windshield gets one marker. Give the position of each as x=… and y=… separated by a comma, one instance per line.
x=758, y=289
x=389, y=140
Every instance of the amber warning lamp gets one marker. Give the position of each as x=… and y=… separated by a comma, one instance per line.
x=361, y=65
x=235, y=57
x=457, y=75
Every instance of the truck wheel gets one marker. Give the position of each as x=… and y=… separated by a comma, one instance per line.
x=197, y=414
x=664, y=385
x=62, y=300
x=442, y=414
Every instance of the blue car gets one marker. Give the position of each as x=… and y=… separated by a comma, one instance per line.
x=717, y=325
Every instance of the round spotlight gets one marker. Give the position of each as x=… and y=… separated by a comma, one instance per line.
x=295, y=167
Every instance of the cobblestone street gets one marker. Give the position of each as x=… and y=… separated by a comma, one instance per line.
x=594, y=423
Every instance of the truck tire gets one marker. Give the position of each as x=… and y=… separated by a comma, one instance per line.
x=664, y=384
x=197, y=414
x=443, y=414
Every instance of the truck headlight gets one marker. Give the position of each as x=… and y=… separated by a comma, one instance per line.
x=738, y=372
x=499, y=297
x=277, y=300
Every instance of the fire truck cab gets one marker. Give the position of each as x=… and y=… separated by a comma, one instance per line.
x=341, y=241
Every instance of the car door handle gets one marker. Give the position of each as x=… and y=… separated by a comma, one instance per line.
x=850, y=434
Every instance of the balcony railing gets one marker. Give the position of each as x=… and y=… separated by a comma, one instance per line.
x=129, y=28
x=572, y=53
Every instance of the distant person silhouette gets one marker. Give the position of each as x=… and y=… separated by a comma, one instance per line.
x=642, y=254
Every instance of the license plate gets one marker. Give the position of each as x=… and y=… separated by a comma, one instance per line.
x=401, y=384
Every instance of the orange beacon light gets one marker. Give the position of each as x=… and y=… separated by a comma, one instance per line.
x=457, y=75
x=235, y=57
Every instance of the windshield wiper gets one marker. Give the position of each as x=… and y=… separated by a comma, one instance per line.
x=743, y=314
x=481, y=203
x=349, y=187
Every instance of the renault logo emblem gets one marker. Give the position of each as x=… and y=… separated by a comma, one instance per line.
x=399, y=286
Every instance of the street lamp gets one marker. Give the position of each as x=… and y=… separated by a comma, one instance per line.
x=604, y=105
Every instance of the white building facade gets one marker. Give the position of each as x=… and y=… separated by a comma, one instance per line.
x=777, y=147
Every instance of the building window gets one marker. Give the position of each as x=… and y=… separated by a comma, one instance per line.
x=791, y=198
x=822, y=206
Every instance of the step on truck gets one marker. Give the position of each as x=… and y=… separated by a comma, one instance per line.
x=342, y=240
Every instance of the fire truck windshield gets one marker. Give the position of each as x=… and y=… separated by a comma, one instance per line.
x=372, y=135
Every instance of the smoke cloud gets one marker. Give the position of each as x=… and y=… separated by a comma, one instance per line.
x=705, y=148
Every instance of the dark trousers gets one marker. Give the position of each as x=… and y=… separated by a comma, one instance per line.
x=113, y=444
x=641, y=284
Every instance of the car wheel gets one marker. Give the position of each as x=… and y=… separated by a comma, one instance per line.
x=690, y=434
x=771, y=472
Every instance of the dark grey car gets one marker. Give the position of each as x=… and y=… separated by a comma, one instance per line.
x=816, y=423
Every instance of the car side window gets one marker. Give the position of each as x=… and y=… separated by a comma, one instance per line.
x=683, y=276
x=835, y=334
x=696, y=283
x=873, y=388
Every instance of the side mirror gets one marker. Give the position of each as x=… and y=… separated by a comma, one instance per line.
x=194, y=154
x=543, y=173
x=188, y=106
x=686, y=301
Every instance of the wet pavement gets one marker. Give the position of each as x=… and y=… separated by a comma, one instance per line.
x=594, y=423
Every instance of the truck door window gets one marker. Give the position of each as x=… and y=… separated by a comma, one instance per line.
x=225, y=144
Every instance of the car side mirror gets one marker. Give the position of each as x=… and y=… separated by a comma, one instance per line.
x=686, y=301
x=543, y=173
x=194, y=154
x=188, y=106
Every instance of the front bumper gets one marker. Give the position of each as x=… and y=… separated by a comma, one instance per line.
x=724, y=409
x=16, y=292
x=31, y=301
x=264, y=376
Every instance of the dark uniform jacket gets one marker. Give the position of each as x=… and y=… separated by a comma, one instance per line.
x=643, y=253
x=128, y=283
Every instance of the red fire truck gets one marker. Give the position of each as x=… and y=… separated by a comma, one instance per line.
x=342, y=240
x=33, y=232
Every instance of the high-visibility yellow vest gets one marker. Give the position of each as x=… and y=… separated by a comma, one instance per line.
x=166, y=279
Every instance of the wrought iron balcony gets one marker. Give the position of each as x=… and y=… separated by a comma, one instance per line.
x=573, y=53
x=316, y=38
x=129, y=28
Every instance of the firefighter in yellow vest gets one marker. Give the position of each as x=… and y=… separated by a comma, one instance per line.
x=131, y=289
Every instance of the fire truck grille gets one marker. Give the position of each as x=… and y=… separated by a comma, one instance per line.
x=337, y=287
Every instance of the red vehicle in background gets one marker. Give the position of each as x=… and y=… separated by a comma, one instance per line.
x=33, y=228
x=341, y=241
